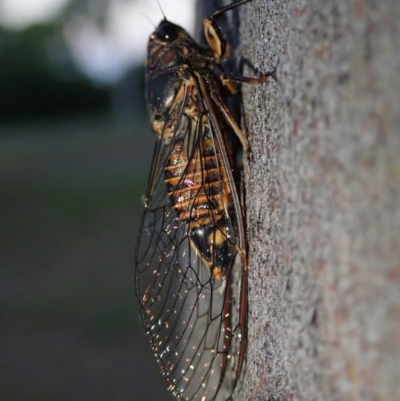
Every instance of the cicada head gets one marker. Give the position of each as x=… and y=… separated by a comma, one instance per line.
x=170, y=46
x=163, y=48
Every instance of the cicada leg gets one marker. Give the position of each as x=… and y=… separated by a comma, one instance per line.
x=212, y=32
x=227, y=78
x=231, y=121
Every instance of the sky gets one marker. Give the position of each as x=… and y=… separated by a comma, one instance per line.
x=21, y=13
x=103, y=55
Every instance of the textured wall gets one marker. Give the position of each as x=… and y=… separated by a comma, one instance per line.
x=323, y=200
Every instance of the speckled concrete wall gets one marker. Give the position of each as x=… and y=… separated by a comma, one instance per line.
x=323, y=200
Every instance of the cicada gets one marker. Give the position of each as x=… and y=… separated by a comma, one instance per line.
x=191, y=265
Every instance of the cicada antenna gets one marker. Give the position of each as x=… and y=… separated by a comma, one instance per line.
x=162, y=12
x=148, y=19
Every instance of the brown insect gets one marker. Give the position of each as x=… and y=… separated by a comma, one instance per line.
x=191, y=265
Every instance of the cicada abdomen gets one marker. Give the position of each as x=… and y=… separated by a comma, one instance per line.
x=200, y=192
x=191, y=270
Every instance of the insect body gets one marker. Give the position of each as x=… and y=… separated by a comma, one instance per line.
x=191, y=269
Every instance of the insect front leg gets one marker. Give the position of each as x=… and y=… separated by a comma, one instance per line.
x=218, y=45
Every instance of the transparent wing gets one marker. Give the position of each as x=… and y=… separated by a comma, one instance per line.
x=190, y=319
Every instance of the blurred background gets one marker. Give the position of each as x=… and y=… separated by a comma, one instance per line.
x=75, y=151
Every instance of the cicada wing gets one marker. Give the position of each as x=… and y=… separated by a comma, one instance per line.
x=182, y=309
x=190, y=320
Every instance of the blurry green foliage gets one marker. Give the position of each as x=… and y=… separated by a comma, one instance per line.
x=38, y=78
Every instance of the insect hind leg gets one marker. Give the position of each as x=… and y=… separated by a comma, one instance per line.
x=228, y=80
x=231, y=121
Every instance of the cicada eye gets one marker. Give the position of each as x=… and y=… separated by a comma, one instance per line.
x=166, y=31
